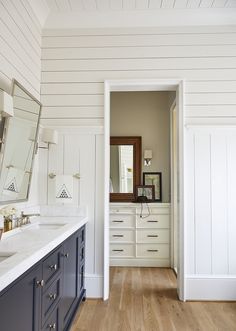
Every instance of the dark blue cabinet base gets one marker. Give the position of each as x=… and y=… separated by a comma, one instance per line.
x=48, y=295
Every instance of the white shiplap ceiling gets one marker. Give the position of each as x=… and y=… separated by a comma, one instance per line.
x=111, y=5
x=138, y=13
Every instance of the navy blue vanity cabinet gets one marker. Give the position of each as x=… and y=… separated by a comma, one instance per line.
x=20, y=303
x=73, y=277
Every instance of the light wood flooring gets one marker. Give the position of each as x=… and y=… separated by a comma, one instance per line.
x=145, y=299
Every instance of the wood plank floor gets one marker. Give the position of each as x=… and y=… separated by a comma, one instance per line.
x=145, y=299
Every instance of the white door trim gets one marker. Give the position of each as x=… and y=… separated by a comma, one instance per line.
x=144, y=85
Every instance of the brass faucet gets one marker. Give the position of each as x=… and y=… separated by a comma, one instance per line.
x=25, y=219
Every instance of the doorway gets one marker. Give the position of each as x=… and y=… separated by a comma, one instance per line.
x=144, y=85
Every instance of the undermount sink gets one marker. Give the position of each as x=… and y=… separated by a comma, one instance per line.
x=45, y=226
x=5, y=255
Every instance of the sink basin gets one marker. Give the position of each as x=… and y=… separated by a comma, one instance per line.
x=5, y=255
x=45, y=226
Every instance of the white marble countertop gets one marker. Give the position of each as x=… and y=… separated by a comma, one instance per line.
x=29, y=245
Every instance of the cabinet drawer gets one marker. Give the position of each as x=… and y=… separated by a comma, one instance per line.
x=124, y=250
x=158, y=236
x=122, y=210
x=153, y=221
x=153, y=250
x=122, y=235
x=154, y=210
x=52, y=323
x=50, y=298
x=122, y=221
x=52, y=265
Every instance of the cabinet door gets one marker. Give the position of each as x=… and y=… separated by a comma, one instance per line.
x=20, y=304
x=70, y=279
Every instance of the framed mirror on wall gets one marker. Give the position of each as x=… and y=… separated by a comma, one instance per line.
x=19, y=143
x=125, y=168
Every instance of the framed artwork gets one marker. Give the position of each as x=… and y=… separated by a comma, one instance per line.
x=154, y=178
x=145, y=193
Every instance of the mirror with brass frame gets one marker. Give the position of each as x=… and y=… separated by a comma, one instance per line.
x=125, y=168
x=19, y=143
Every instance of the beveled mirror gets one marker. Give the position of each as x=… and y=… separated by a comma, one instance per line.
x=18, y=146
x=125, y=168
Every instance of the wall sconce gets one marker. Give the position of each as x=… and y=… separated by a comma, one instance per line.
x=147, y=157
x=6, y=104
x=49, y=136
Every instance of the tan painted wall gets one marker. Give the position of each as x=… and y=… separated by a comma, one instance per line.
x=145, y=114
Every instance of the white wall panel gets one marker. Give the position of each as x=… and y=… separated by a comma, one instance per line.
x=203, y=212
x=219, y=204
x=75, y=65
x=231, y=184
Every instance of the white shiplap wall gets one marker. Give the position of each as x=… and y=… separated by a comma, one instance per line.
x=75, y=64
x=20, y=56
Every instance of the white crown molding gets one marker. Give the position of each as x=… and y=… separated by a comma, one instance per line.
x=163, y=17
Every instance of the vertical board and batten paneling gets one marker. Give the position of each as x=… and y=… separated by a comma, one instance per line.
x=211, y=182
x=20, y=58
x=231, y=204
x=74, y=154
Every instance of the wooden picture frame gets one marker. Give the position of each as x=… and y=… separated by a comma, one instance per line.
x=145, y=193
x=154, y=178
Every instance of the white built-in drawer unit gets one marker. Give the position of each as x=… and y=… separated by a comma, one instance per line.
x=139, y=239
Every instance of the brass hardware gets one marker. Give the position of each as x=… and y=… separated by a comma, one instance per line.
x=51, y=175
x=52, y=326
x=66, y=255
x=52, y=296
x=40, y=283
x=9, y=166
x=77, y=176
x=53, y=267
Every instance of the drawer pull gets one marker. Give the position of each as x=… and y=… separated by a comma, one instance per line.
x=117, y=250
x=152, y=221
x=152, y=235
x=52, y=326
x=118, y=221
x=152, y=250
x=52, y=296
x=66, y=255
x=40, y=283
x=118, y=235
x=53, y=267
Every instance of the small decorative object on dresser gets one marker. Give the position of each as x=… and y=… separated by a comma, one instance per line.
x=145, y=193
x=154, y=178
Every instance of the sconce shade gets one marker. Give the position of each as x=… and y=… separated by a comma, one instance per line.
x=148, y=154
x=50, y=136
x=6, y=104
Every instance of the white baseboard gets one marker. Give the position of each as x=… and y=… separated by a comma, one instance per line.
x=94, y=286
x=209, y=287
x=162, y=263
